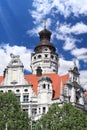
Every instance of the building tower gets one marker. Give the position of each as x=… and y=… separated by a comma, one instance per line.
x=44, y=56
x=45, y=93
x=73, y=91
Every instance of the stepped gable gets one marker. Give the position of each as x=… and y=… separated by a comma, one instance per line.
x=56, y=81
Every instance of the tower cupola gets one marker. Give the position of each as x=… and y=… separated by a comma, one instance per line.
x=45, y=36
x=44, y=56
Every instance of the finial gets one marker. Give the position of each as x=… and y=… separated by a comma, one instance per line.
x=74, y=63
x=44, y=21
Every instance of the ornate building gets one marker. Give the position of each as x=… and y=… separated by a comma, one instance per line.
x=37, y=91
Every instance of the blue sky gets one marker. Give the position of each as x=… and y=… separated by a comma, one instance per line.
x=21, y=20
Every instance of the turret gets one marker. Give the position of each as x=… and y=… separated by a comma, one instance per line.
x=44, y=55
x=45, y=92
x=73, y=91
x=74, y=73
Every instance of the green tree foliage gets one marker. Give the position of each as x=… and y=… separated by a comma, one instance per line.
x=11, y=113
x=66, y=117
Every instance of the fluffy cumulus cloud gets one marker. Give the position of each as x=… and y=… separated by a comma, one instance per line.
x=69, y=43
x=83, y=78
x=64, y=66
x=80, y=54
x=63, y=30
x=6, y=50
x=78, y=28
x=25, y=56
x=65, y=7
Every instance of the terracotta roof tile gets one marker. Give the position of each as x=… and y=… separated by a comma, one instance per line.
x=1, y=79
x=56, y=80
x=85, y=94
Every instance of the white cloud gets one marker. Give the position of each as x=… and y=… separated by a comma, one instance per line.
x=64, y=66
x=65, y=7
x=69, y=43
x=83, y=78
x=41, y=8
x=5, y=50
x=78, y=28
x=25, y=56
x=80, y=53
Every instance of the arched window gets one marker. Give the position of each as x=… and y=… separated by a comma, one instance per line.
x=48, y=86
x=17, y=90
x=46, y=55
x=26, y=90
x=44, y=86
x=52, y=56
x=35, y=57
x=39, y=56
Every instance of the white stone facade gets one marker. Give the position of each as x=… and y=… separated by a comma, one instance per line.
x=46, y=60
x=37, y=103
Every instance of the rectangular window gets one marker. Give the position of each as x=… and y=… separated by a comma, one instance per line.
x=18, y=98
x=34, y=111
x=44, y=109
x=39, y=110
x=25, y=98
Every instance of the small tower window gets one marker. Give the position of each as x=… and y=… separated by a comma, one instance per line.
x=39, y=71
x=44, y=86
x=56, y=58
x=39, y=56
x=39, y=110
x=48, y=86
x=52, y=56
x=26, y=90
x=46, y=55
x=35, y=57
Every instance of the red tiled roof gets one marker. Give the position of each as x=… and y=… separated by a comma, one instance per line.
x=1, y=79
x=86, y=94
x=56, y=81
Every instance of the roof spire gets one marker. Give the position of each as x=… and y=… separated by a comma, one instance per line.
x=44, y=21
x=74, y=63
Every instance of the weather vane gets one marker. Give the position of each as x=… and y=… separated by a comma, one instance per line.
x=44, y=21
